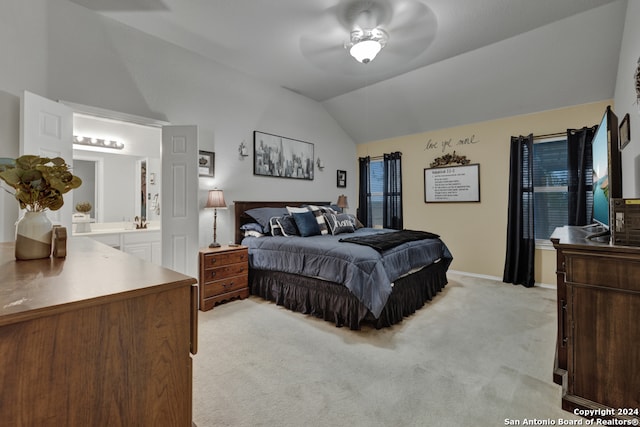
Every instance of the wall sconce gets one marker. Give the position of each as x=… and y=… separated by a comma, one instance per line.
x=320, y=164
x=242, y=149
x=97, y=142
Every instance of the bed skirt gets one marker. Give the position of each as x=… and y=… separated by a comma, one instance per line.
x=335, y=303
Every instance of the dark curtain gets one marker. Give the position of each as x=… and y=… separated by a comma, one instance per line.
x=521, y=242
x=580, y=175
x=392, y=191
x=364, y=195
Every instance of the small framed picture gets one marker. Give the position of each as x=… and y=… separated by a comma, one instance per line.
x=625, y=131
x=342, y=179
x=206, y=163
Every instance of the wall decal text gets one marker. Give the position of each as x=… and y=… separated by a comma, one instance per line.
x=449, y=143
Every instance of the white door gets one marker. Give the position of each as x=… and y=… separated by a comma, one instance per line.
x=46, y=129
x=179, y=199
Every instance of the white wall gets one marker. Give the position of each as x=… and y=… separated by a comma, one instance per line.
x=60, y=50
x=625, y=100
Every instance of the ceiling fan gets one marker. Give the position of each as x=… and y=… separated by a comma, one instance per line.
x=362, y=28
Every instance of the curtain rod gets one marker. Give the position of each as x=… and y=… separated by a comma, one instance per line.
x=376, y=157
x=550, y=135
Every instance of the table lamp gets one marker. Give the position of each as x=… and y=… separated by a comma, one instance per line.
x=215, y=201
x=342, y=202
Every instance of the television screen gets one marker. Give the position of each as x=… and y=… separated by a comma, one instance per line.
x=601, y=174
x=607, y=175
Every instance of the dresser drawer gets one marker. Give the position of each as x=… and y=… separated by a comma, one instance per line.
x=224, y=272
x=603, y=270
x=219, y=287
x=214, y=260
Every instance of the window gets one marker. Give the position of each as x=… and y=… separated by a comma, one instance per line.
x=550, y=186
x=376, y=181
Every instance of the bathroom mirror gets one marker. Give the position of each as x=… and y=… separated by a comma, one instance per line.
x=117, y=181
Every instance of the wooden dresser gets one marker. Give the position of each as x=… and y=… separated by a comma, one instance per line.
x=99, y=338
x=224, y=275
x=598, y=344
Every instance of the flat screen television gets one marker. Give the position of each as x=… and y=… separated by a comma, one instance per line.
x=607, y=171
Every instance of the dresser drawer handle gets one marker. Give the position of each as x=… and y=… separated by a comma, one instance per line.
x=213, y=260
x=227, y=285
x=213, y=274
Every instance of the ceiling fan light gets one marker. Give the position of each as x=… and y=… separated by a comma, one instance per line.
x=365, y=51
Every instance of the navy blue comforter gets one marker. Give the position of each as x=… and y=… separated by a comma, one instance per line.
x=367, y=273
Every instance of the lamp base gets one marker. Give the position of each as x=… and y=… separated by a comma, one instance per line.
x=214, y=245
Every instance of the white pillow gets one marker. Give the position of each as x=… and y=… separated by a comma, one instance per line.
x=293, y=210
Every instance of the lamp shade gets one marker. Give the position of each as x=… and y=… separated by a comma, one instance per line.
x=216, y=199
x=342, y=201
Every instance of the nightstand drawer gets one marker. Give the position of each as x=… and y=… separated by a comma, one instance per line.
x=224, y=275
x=214, y=260
x=224, y=272
x=223, y=286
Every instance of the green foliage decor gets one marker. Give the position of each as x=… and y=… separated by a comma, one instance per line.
x=38, y=182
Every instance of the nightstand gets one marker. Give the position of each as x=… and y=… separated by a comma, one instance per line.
x=224, y=275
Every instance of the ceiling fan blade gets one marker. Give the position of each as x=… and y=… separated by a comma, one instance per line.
x=412, y=29
x=363, y=13
x=411, y=26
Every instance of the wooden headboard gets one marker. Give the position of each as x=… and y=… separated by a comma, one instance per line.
x=241, y=207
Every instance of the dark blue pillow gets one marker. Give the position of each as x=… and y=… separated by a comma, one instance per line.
x=288, y=225
x=276, y=229
x=306, y=223
x=339, y=223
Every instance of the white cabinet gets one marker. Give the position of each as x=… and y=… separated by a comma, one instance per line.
x=112, y=240
x=145, y=244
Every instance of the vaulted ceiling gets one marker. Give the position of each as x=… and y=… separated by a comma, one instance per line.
x=447, y=62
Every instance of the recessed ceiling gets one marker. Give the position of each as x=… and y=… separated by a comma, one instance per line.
x=298, y=44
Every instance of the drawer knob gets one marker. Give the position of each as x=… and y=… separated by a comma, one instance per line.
x=227, y=285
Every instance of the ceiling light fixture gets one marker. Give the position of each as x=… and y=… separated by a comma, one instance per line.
x=97, y=142
x=366, y=44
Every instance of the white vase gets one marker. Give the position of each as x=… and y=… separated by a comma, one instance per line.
x=33, y=236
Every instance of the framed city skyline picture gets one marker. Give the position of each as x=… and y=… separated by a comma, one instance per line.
x=282, y=157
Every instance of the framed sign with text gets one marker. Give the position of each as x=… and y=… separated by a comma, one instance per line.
x=452, y=184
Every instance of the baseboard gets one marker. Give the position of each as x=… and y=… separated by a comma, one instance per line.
x=497, y=279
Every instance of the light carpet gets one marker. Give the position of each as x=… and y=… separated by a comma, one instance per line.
x=480, y=354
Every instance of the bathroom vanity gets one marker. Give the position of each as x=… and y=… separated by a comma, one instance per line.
x=144, y=243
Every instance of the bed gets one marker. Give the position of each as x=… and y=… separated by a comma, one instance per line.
x=368, y=281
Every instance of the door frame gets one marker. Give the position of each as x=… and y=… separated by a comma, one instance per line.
x=167, y=257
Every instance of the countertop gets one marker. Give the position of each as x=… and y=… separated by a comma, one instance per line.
x=90, y=273
x=99, y=229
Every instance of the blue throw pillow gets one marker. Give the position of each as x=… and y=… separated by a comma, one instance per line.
x=288, y=225
x=276, y=229
x=306, y=223
x=339, y=223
